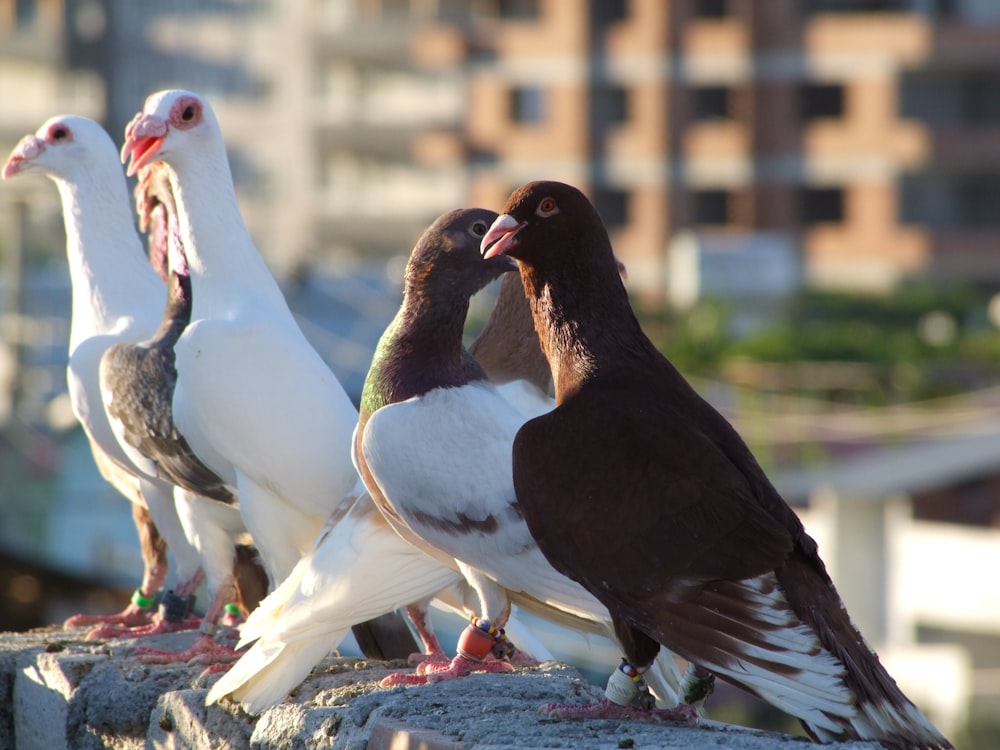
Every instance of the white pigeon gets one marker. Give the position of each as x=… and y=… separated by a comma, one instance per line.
x=117, y=298
x=254, y=400
x=434, y=444
x=137, y=384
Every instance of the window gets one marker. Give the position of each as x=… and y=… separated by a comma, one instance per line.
x=25, y=13
x=711, y=207
x=822, y=100
x=975, y=201
x=612, y=205
x=611, y=104
x=818, y=205
x=711, y=103
x=979, y=97
x=522, y=10
x=609, y=11
x=527, y=105
x=856, y=6
x=711, y=8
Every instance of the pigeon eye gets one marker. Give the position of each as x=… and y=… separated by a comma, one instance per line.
x=59, y=133
x=479, y=229
x=188, y=114
x=547, y=207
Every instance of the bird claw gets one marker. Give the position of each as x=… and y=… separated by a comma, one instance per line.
x=130, y=617
x=158, y=627
x=203, y=651
x=430, y=672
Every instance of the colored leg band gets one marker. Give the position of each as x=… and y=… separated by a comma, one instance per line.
x=143, y=602
x=477, y=641
x=175, y=608
x=625, y=685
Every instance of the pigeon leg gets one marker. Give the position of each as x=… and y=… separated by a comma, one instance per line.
x=478, y=643
x=174, y=614
x=626, y=697
x=205, y=649
x=142, y=608
x=420, y=617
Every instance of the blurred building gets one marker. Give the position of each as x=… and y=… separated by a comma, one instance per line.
x=866, y=131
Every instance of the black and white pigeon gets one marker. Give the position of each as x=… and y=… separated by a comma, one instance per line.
x=253, y=399
x=137, y=383
x=700, y=553
x=116, y=299
x=433, y=444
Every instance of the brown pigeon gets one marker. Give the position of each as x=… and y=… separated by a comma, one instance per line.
x=699, y=553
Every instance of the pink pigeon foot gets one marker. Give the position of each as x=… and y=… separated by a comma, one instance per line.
x=173, y=615
x=159, y=626
x=430, y=672
x=418, y=658
x=606, y=709
x=130, y=617
x=204, y=650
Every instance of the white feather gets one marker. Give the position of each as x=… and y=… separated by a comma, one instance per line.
x=117, y=299
x=253, y=398
x=361, y=569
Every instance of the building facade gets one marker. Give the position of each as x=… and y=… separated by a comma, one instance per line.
x=864, y=132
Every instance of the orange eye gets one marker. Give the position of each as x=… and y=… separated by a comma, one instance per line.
x=547, y=207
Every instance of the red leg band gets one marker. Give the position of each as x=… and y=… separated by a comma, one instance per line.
x=475, y=643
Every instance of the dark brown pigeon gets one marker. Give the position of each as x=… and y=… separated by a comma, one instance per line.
x=699, y=553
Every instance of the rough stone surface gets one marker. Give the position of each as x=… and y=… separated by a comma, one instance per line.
x=58, y=691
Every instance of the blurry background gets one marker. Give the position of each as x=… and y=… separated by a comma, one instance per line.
x=806, y=196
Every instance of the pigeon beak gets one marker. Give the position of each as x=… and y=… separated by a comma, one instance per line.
x=26, y=149
x=143, y=138
x=501, y=236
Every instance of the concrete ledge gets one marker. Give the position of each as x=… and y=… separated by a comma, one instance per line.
x=59, y=692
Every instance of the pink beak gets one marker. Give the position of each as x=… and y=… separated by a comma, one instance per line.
x=501, y=236
x=143, y=138
x=26, y=149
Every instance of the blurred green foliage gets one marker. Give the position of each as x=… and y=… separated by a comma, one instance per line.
x=921, y=341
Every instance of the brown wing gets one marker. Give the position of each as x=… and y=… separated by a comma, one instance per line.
x=626, y=491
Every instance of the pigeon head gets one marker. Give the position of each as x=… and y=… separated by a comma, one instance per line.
x=173, y=124
x=447, y=254
x=65, y=147
x=552, y=230
x=543, y=218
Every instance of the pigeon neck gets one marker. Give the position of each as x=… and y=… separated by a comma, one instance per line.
x=225, y=267
x=508, y=348
x=585, y=327
x=420, y=350
x=177, y=313
x=110, y=277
